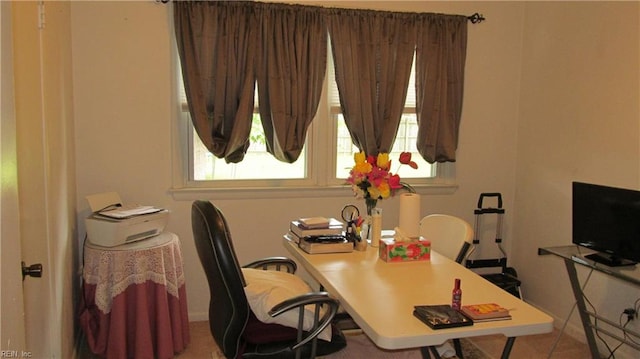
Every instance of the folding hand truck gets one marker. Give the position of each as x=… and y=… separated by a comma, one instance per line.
x=507, y=278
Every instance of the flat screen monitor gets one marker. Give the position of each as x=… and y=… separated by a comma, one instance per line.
x=607, y=220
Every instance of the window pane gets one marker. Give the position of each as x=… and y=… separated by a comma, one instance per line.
x=405, y=142
x=257, y=163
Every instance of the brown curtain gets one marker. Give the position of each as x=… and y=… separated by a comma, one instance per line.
x=372, y=52
x=224, y=46
x=218, y=43
x=440, y=59
x=291, y=70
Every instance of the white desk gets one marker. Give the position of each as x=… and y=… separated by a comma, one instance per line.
x=380, y=297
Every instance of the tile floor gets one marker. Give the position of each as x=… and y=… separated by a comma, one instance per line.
x=535, y=346
x=529, y=347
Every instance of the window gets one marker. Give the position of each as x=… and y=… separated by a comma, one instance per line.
x=325, y=162
x=257, y=164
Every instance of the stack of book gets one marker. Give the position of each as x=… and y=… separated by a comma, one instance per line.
x=444, y=316
x=485, y=312
x=319, y=235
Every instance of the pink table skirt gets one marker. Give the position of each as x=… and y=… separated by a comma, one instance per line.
x=134, y=302
x=145, y=321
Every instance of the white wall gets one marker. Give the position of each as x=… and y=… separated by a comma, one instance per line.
x=578, y=121
x=125, y=114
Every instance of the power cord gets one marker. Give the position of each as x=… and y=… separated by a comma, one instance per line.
x=630, y=315
x=595, y=326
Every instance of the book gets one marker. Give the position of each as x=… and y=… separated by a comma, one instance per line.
x=441, y=316
x=334, y=227
x=333, y=244
x=485, y=312
x=314, y=222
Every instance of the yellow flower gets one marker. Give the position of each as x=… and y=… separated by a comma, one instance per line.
x=384, y=189
x=359, y=157
x=383, y=161
x=374, y=192
x=361, y=166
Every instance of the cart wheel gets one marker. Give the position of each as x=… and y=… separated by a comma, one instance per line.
x=511, y=271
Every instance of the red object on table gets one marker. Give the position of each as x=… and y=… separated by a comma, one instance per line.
x=134, y=302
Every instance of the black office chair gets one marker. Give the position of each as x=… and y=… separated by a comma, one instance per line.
x=234, y=327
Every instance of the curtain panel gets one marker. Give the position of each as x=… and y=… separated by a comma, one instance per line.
x=372, y=53
x=440, y=60
x=218, y=44
x=290, y=72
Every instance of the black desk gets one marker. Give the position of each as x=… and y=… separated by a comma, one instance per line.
x=573, y=255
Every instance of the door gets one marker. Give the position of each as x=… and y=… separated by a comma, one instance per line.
x=12, y=328
x=43, y=138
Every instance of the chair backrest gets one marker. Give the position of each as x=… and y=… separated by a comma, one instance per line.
x=228, y=306
x=449, y=235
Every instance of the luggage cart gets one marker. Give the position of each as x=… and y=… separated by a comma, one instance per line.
x=507, y=278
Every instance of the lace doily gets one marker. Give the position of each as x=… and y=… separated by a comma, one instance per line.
x=112, y=271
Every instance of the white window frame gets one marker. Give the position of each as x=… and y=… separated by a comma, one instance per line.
x=319, y=162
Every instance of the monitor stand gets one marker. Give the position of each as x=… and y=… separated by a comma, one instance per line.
x=608, y=260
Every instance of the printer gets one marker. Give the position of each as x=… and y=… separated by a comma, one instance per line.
x=112, y=223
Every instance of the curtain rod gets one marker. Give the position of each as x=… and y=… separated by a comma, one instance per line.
x=474, y=19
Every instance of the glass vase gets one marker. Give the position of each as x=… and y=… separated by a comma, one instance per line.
x=371, y=203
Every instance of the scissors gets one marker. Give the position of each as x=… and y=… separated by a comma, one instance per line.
x=350, y=213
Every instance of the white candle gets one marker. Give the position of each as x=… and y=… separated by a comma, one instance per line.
x=376, y=226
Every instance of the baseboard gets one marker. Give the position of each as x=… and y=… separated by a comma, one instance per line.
x=574, y=330
x=199, y=317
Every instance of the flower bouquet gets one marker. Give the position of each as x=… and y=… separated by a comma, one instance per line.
x=371, y=179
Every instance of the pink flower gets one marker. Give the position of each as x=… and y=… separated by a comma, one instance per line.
x=394, y=182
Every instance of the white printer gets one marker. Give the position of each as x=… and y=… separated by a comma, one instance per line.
x=112, y=223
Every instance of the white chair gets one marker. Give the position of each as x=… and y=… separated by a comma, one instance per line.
x=449, y=235
x=452, y=237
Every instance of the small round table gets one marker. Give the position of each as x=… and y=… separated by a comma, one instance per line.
x=134, y=302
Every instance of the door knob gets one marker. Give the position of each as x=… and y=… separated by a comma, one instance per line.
x=34, y=270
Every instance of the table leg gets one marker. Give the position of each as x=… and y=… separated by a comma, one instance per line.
x=507, y=347
x=425, y=352
x=458, y=347
x=582, y=308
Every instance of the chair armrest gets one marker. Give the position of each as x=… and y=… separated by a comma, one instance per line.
x=317, y=299
x=276, y=263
